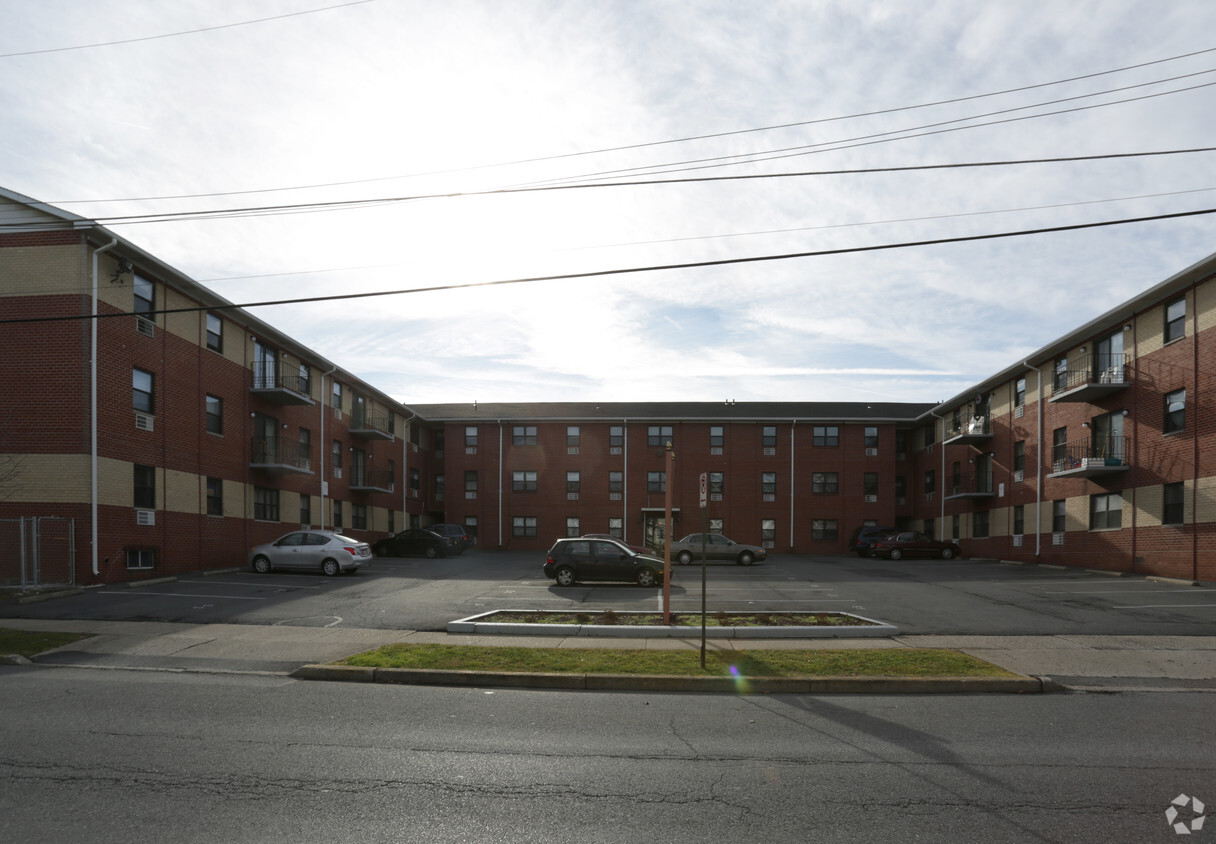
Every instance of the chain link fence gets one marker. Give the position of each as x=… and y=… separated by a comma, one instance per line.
x=37, y=551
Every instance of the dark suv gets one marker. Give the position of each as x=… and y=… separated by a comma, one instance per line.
x=572, y=560
x=456, y=533
x=862, y=542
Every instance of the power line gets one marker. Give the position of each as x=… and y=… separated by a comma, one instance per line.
x=622, y=271
x=183, y=32
x=646, y=144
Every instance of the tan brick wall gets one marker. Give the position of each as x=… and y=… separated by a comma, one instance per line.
x=53, y=478
x=184, y=492
x=1205, y=506
x=42, y=270
x=1148, y=506
x=1205, y=308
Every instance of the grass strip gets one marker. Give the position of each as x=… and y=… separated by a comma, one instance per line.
x=28, y=643
x=853, y=662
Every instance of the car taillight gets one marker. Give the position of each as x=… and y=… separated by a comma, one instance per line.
x=354, y=552
x=549, y=560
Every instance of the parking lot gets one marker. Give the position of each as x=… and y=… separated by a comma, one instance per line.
x=975, y=597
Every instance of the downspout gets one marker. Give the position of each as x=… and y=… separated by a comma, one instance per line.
x=793, y=422
x=625, y=484
x=941, y=479
x=93, y=408
x=322, y=445
x=499, y=495
x=1038, y=458
x=405, y=475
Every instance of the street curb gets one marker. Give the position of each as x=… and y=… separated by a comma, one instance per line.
x=49, y=596
x=474, y=625
x=675, y=683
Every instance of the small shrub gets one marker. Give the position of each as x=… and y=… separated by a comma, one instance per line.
x=721, y=617
x=582, y=618
x=609, y=617
x=763, y=618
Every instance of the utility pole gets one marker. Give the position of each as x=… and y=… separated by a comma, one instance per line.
x=671, y=458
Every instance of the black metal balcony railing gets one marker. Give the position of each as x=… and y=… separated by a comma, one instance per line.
x=371, y=479
x=968, y=430
x=970, y=486
x=1087, y=457
x=1105, y=373
x=280, y=453
x=372, y=425
x=281, y=384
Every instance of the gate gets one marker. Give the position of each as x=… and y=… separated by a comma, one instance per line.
x=38, y=551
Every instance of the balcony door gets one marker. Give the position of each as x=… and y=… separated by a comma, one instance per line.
x=1108, y=359
x=265, y=366
x=1108, y=435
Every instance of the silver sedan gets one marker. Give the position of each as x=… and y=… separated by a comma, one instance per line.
x=717, y=547
x=312, y=550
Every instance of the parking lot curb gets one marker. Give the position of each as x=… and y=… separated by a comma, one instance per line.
x=678, y=683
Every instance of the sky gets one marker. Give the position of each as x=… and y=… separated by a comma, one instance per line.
x=488, y=146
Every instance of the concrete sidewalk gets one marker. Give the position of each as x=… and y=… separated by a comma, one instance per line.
x=1079, y=662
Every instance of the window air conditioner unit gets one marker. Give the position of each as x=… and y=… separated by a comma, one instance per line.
x=768, y=543
x=1019, y=476
x=337, y=473
x=469, y=496
x=145, y=326
x=572, y=496
x=715, y=496
x=145, y=517
x=715, y=451
x=470, y=449
x=1057, y=539
x=870, y=499
x=871, y=452
x=573, y=449
x=768, y=496
x=616, y=449
x=337, y=413
x=614, y=496
x=769, y=452
x=143, y=422
x=1017, y=541
x=1019, y=411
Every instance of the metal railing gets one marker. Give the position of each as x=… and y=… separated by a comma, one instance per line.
x=1093, y=369
x=364, y=421
x=975, y=426
x=278, y=451
x=1090, y=453
x=367, y=478
x=279, y=377
x=971, y=485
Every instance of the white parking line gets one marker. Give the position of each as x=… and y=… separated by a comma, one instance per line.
x=141, y=593
x=1108, y=591
x=246, y=583
x=1169, y=606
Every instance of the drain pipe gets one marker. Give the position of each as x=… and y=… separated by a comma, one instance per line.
x=941, y=480
x=321, y=445
x=1038, y=480
x=793, y=424
x=93, y=404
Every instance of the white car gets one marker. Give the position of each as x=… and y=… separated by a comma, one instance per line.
x=312, y=550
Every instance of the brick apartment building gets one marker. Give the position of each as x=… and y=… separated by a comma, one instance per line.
x=201, y=430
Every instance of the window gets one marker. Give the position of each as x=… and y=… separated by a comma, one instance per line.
x=306, y=444
x=572, y=436
x=140, y=558
x=306, y=511
x=392, y=474
x=470, y=527
x=769, y=437
x=930, y=434
x=523, y=526
x=1108, y=359
x=616, y=527
x=572, y=526
x=215, y=497
x=824, y=529
x=415, y=480
x=768, y=483
x=470, y=483
x=337, y=515
x=1171, y=504
x=871, y=437
x=901, y=444
x=145, y=487
x=954, y=526
x=215, y=333
x=141, y=388
x=826, y=436
x=869, y=483
x=1175, y=320
x=336, y=396
x=656, y=481
x=658, y=435
x=215, y=415
x=265, y=504
x=717, y=436
x=1105, y=511
x=523, y=481
x=470, y=436
x=1059, y=446
x=616, y=436
x=1019, y=393
x=1175, y=412
x=523, y=435
x=901, y=487
x=616, y=481
x=572, y=482
x=930, y=481
x=1058, y=515
x=1019, y=519
x=392, y=521
x=358, y=516
x=305, y=379
x=824, y=483
x=441, y=483
x=768, y=530
x=979, y=524
x=337, y=452
x=1019, y=456
x=717, y=482
x=145, y=295
x=1060, y=383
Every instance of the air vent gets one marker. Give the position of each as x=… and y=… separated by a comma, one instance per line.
x=143, y=422
x=1019, y=411
x=337, y=472
x=1057, y=539
x=1017, y=541
x=145, y=517
x=145, y=326
x=1019, y=476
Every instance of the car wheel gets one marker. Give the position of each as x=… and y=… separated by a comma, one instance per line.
x=331, y=568
x=261, y=565
x=431, y=553
x=646, y=577
x=895, y=554
x=947, y=553
x=746, y=558
x=685, y=558
x=564, y=576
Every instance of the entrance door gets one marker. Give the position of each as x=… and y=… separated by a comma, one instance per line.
x=655, y=531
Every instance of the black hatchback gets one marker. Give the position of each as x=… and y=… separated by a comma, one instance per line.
x=415, y=542
x=863, y=539
x=572, y=560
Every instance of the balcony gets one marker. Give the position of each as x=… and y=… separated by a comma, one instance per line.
x=372, y=427
x=280, y=386
x=1092, y=377
x=970, y=486
x=1083, y=459
x=371, y=480
x=279, y=455
x=976, y=430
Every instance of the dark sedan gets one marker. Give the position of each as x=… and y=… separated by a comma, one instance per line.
x=912, y=544
x=415, y=542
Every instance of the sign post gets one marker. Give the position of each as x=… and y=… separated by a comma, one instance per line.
x=704, y=527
